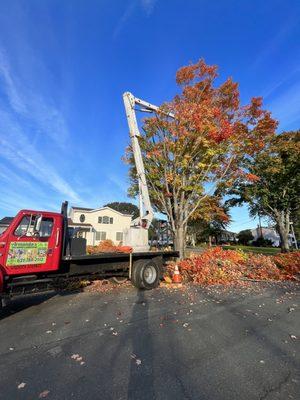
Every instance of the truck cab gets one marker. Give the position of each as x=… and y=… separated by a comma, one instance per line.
x=32, y=243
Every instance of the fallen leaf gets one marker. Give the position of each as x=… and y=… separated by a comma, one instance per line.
x=167, y=279
x=44, y=394
x=55, y=351
x=21, y=385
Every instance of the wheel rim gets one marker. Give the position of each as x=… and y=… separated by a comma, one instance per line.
x=150, y=274
x=119, y=279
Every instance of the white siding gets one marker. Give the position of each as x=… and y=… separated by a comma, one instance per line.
x=120, y=223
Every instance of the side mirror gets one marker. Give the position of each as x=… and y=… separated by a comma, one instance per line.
x=37, y=224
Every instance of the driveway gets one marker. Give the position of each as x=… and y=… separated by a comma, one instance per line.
x=185, y=343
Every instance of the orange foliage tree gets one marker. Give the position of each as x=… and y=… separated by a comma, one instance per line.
x=189, y=156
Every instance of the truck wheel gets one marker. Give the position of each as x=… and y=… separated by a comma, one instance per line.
x=145, y=274
x=118, y=279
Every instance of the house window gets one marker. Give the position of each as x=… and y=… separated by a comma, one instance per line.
x=119, y=236
x=82, y=218
x=105, y=220
x=100, y=235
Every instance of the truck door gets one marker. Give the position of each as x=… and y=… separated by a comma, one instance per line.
x=34, y=245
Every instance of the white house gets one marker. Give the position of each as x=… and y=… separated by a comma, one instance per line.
x=267, y=233
x=99, y=224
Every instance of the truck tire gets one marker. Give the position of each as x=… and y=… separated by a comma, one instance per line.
x=118, y=280
x=145, y=274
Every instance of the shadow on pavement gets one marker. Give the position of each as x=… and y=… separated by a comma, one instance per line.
x=20, y=303
x=138, y=339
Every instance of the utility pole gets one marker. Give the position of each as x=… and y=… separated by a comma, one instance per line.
x=260, y=228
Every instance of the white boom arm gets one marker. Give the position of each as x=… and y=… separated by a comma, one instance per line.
x=146, y=210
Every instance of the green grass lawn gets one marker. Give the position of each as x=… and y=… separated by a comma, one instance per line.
x=252, y=249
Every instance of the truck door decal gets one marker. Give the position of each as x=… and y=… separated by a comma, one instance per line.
x=25, y=253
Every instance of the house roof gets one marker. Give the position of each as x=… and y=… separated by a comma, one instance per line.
x=6, y=220
x=81, y=208
x=100, y=209
x=79, y=224
x=229, y=232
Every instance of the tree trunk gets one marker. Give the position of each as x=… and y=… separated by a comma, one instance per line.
x=284, y=238
x=179, y=241
x=209, y=241
x=283, y=224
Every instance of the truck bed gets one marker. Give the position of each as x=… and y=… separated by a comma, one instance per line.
x=123, y=256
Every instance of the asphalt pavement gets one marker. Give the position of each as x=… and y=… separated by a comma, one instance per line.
x=185, y=343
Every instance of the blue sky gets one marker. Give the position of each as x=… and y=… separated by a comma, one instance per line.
x=64, y=65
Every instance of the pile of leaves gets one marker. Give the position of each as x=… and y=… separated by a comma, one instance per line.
x=104, y=285
x=289, y=262
x=108, y=246
x=213, y=266
x=261, y=267
x=219, y=266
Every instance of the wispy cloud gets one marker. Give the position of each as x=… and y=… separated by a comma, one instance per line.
x=146, y=5
x=285, y=80
x=286, y=105
x=12, y=201
x=273, y=46
x=46, y=118
x=27, y=174
x=16, y=149
x=124, y=18
x=119, y=183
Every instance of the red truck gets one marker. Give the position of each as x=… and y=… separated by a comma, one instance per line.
x=38, y=251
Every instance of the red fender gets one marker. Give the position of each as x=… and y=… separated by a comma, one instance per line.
x=1, y=281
